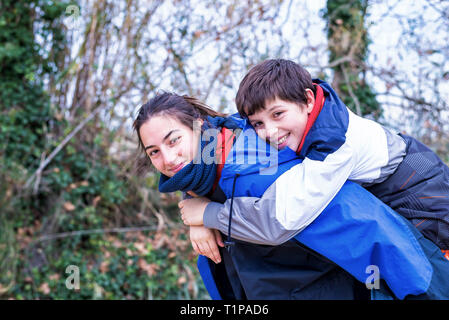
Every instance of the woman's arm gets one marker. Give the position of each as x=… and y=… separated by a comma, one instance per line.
x=205, y=241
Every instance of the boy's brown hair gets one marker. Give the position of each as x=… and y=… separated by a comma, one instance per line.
x=270, y=79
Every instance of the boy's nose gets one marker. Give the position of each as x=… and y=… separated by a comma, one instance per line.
x=271, y=133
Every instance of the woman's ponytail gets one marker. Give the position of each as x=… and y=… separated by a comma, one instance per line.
x=202, y=108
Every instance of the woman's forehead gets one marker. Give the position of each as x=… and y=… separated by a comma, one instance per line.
x=156, y=129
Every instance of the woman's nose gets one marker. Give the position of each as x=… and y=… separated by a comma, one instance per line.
x=170, y=157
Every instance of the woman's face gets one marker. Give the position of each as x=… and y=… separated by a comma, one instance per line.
x=169, y=143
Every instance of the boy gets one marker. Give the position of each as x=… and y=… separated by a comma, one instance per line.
x=286, y=108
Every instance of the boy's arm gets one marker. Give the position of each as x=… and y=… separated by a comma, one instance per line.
x=289, y=205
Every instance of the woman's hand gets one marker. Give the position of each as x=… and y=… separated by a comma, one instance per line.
x=192, y=210
x=205, y=240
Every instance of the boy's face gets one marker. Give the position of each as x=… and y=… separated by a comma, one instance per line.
x=282, y=123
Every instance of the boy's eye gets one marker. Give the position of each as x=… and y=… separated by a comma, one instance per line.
x=174, y=140
x=277, y=114
x=257, y=124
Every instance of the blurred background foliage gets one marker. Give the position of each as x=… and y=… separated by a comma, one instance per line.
x=72, y=75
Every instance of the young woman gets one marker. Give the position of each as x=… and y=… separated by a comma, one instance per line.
x=204, y=153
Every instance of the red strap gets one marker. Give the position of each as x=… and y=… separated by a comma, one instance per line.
x=446, y=254
x=224, y=145
x=317, y=107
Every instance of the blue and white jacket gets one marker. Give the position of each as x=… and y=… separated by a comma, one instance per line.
x=355, y=230
x=340, y=146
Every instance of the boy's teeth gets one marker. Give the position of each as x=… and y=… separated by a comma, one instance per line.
x=282, y=140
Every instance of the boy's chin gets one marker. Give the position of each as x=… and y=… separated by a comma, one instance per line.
x=293, y=148
x=279, y=147
x=282, y=147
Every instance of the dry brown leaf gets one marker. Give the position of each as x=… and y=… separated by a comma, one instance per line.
x=72, y=186
x=117, y=243
x=96, y=200
x=130, y=235
x=44, y=288
x=84, y=183
x=104, y=266
x=182, y=280
x=59, y=116
x=20, y=232
x=162, y=239
x=141, y=248
x=69, y=206
x=54, y=276
x=149, y=268
x=141, y=236
x=37, y=224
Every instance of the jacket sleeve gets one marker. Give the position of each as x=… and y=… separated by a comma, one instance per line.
x=289, y=205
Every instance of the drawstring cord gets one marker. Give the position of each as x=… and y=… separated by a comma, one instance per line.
x=228, y=243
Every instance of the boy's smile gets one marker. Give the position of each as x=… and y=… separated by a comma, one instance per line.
x=282, y=123
x=282, y=141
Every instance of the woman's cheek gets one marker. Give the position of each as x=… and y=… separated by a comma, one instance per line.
x=157, y=164
x=190, y=150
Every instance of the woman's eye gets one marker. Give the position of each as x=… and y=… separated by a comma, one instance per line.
x=152, y=153
x=257, y=124
x=277, y=114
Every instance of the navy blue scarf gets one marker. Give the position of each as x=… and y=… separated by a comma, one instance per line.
x=196, y=176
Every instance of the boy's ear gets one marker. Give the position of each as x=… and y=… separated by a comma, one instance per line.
x=310, y=100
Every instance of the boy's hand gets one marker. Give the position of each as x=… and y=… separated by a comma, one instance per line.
x=192, y=210
x=204, y=241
